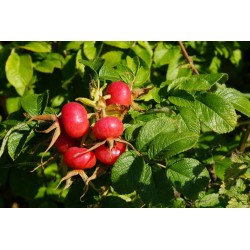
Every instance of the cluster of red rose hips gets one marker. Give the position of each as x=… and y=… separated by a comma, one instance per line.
x=104, y=135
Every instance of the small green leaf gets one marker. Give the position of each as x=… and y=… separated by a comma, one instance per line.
x=79, y=66
x=152, y=128
x=237, y=99
x=188, y=176
x=131, y=131
x=120, y=44
x=168, y=144
x=108, y=73
x=13, y=104
x=35, y=104
x=144, y=53
x=49, y=63
x=112, y=58
x=125, y=73
x=164, y=53
x=40, y=47
x=181, y=98
x=198, y=82
x=95, y=64
x=210, y=200
x=216, y=112
x=126, y=173
x=142, y=75
x=133, y=63
x=89, y=50
x=17, y=140
x=19, y=71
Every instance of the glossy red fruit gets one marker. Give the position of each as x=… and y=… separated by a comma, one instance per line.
x=81, y=161
x=120, y=94
x=108, y=127
x=75, y=120
x=109, y=156
x=64, y=142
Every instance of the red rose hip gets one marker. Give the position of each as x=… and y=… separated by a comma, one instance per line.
x=108, y=127
x=120, y=94
x=109, y=156
x=75, y=120
x=76, y=159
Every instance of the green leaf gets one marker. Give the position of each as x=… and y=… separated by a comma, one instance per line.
x=210, y=200
x=13, y=104
x=7, y=135
x=164, y=53
x=188, y=120
x=35, y=104
x=131, y=131
x=133, y=63
x=18, y=139
x=120, y=44
x=198, y=82
x=126, y=173
x=216, y=112
x=181, y=98
x=142, y=75
x=49, y=63
x=40, y=47
x=108, y=73
x=125, y=73
x=112, y=58
x=144, y=52
x=147, y=189
x=79, y=66
x=168, y=144
x=152, y=128
x=188, y=176
x=19, y=71
x=237, y=99
x=95, y=64
x=89, y=50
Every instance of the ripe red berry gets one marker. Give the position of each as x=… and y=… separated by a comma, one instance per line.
x=64, y=142
x=109, y=156
x=81, y=161
x=75, y=120
x=108, y=127
x=120, y=94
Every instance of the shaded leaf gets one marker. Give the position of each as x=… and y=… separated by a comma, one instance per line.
x=17, y=140
x=126, y=173
x=188, y=176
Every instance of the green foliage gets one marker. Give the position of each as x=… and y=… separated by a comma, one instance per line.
x=190, y=132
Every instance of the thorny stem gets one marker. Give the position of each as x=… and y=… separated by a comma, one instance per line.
x=188, y=58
